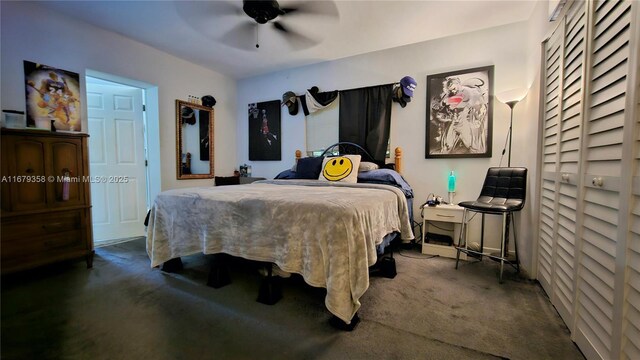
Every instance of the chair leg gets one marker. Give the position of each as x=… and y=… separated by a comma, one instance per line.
x=462, y=231
x=482, y=237
x=515, y=242
x=502, y=243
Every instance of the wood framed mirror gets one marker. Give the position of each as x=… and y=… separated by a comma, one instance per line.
x=194, y=141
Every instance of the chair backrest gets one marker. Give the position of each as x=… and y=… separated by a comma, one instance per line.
x=505, y=186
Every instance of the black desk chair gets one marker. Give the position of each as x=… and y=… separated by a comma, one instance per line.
x=503, y=193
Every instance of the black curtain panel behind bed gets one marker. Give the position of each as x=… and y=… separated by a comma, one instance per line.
x=365, y=118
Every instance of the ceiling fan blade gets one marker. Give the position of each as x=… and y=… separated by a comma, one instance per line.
x=224, y=8
x=203, y=17
x=323, y=8
x=280, y=27
x=295, y=39
x=241, y=36
x=199, y=11
x=288, y=10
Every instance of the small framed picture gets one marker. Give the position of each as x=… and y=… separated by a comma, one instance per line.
x=460, y=114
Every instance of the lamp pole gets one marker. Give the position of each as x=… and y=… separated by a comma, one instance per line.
x=511, y=105
x=505, y=254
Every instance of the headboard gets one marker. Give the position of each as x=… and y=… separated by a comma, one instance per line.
x=349, y=148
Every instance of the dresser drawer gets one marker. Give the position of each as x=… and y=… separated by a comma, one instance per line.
x=446, y=213
x=42, y=246
x=21, y=227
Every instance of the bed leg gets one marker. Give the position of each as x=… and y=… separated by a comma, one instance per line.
x=172, y=266
x=270, y=288
x=219, y=273
x=337, y=323
x=388, y=267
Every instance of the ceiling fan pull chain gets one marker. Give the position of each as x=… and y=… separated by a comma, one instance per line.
x=257, y=38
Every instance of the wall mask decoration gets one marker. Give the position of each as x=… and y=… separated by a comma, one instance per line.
x=460, y=113
x=264, y=131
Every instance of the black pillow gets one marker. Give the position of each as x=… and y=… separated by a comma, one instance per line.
x=226, y=180
x=309, y=167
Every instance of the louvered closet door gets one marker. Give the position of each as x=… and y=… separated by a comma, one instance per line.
x=631, y=322
x=603, y=168
x=561, y=158
x=551, y=95
x=569, y=160
x=631, y=336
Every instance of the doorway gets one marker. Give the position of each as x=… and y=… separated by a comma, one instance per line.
x=117, y=160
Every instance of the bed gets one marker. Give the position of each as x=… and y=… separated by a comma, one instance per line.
x=328, y=232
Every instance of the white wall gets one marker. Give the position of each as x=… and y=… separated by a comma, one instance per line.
x=505, y=47
x=32, y=33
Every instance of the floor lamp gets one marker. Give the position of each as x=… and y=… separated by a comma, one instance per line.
x=511, y=98
x=511, y=105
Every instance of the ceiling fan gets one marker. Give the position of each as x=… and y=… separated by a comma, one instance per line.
x=264, y=12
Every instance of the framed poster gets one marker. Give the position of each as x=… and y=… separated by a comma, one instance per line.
x=52, y=97
x=460, y=113
x=264, y=131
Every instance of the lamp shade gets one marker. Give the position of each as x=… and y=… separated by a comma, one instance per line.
x=513, y=95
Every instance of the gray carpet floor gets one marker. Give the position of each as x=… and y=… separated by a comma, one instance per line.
x=123, y=309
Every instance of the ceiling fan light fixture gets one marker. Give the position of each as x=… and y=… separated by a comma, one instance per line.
x=269, y=12
x=261, y=11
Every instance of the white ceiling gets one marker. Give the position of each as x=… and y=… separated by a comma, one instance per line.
x=193, y=30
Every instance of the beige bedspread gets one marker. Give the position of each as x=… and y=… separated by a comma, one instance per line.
x=327, y=232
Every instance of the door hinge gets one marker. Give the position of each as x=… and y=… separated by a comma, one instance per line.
x=146, y=163
x=144, y=107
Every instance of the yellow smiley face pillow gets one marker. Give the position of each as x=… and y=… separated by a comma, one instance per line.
x=340, y=168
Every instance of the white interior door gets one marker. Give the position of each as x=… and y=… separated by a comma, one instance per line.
x=117, y=161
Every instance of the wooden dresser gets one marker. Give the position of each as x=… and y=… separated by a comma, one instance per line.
x=39, y=224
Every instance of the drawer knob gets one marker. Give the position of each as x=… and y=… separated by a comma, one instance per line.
x=565, y=177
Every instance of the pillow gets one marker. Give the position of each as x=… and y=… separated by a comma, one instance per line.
x=226, y=180
x=309, y=167
x=367, y=166
x=286, y=174
x=340, y=168
x=388, y=177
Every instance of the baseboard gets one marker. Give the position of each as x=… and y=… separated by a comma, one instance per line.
x=99, y=244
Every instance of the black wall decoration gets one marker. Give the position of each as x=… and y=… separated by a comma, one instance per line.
x=264, y=131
